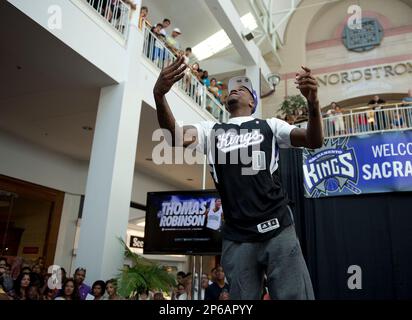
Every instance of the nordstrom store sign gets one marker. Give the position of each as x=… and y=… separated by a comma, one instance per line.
x=366, y=74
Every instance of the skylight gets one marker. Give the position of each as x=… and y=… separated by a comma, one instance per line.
x=249, y=21
x=220, y=41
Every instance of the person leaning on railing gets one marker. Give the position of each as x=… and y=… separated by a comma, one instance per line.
x=144, y=12
x=377, y=102
x=407, y=103
x=114, y=7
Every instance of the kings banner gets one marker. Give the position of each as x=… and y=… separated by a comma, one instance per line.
x=375, y=163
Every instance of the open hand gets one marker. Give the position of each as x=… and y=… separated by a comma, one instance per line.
x=169, y=76
x=307, y=85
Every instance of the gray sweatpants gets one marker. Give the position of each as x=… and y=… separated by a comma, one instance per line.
x=280, y=258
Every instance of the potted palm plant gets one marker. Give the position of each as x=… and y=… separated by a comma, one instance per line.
x=292, y=105
x=143, y=275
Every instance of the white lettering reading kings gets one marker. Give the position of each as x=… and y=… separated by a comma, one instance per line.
x=341, y=165
x=229, y=141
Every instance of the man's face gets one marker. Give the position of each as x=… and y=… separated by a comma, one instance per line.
x=79, y=276
x=3, y=265
x=240, y=98
x=218, y=203
x=188, y=53
x=157, y=29
x=220, y=275
x=376, y=98
x=97, y=290
x=166, y=24
x=205, y=282
x=175, y=34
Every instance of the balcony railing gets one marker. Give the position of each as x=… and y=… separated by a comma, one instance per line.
x=155, y=51
x=389, y=117
x=115, y=12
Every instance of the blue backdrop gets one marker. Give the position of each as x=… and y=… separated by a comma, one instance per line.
x=380, y=162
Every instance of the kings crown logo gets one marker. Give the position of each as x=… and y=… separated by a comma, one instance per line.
x=330, y=169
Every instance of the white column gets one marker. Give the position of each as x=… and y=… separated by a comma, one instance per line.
x=253, y=73
x=109, y=183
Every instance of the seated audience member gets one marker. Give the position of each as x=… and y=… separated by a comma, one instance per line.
x=204, y=283
x=50, y=294
x=158, y=296
x=180, y=276
x=111, y=290
x=21, y=287
x=180, y=293
x=63, y=274
x=213, y=272
x=98, y=289
x=145, y=295
x=79, y=277
x=69, y=291
x=37, y=276
x=6, y=281
x=34, y=293
x=224, y=295
x=216, y=288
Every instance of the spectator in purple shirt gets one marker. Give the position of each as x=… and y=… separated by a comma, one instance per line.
x=79, y=276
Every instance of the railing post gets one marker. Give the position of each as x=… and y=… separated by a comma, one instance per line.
x=351, y=122
x=204, y=95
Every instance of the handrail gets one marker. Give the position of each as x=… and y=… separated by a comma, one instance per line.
x=155, y=51
x=379, y=118
x=116, y=13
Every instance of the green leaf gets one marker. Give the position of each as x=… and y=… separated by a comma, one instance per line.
x=142, y=275
x=292, y=103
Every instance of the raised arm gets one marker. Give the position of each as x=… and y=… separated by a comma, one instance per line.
x=312, y=136
x=181, y=136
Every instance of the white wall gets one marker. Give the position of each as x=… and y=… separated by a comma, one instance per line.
x=82, y=30
x=143, y=183
x=22, y=160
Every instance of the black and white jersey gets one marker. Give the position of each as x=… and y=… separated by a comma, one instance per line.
x=243, y=154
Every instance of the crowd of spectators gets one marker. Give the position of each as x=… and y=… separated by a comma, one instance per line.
x=31, y=281
x=22, y=280
x=196, y=80
x=376, y=117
